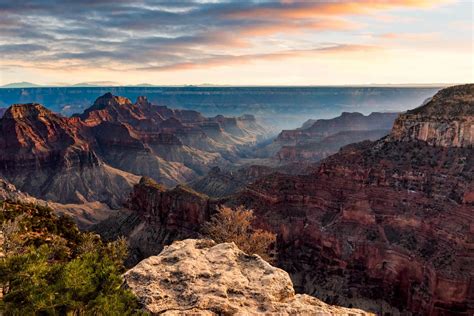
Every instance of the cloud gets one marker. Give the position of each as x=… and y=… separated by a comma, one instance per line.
x=311, y=9
x=18, y=48
x=410, y=36
x=160, y=35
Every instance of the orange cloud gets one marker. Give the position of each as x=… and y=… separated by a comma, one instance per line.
x=309, y=9
x=297, y=26
x=409, y=36
x=297, y=16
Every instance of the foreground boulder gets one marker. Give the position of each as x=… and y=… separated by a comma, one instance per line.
x=200, y=277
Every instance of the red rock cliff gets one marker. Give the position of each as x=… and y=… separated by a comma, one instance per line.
x=446, y=120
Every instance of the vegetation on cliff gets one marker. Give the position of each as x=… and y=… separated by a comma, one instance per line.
x=229, y=225
x=47, y=266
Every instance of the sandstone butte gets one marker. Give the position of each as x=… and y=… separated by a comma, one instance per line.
x=200, y=277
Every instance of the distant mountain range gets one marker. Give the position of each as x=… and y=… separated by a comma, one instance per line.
x=22, y=84
x=281, y=107
x=25, y=84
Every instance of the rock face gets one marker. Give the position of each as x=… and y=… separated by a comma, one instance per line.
x=199, y=277
x=351, y=121
x=52, y=157
x=312, y=151
x=98, y=155
x=446, y=120
x=317, y=139
x=158, y=217
x=2, y=111
x=9, y=192
x=219, y=183
x=85, y=214
x=376, y=221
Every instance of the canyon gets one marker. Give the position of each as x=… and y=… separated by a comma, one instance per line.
x=99, y=155
x=385, y=226
x=318, y=139
x=295, y=151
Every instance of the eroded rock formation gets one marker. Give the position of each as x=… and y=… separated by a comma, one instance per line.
x=446, y=120
x=85, y=214
x=199, y=277
x=311, y=151
x=52, y=157
x=98, y=155
x=318, y=139
x=220, y=183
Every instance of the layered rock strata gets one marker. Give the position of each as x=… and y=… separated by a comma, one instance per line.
x=99, y=155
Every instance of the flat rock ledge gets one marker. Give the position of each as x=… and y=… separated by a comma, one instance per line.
x=200, y=277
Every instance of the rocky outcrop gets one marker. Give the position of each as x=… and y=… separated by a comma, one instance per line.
x=157, y=217
x=317, y=139
x=2, y=111
x=199, y=277
x=9, y=192
x=110, y=108
x=446, y=120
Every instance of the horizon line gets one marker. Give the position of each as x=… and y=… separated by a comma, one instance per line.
x=434, y=85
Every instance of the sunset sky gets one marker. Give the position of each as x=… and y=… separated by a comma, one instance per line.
x=237, y=42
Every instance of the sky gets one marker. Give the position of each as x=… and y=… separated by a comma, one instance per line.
x=237, y=42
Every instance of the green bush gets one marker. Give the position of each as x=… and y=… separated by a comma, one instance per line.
x=50, y=268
